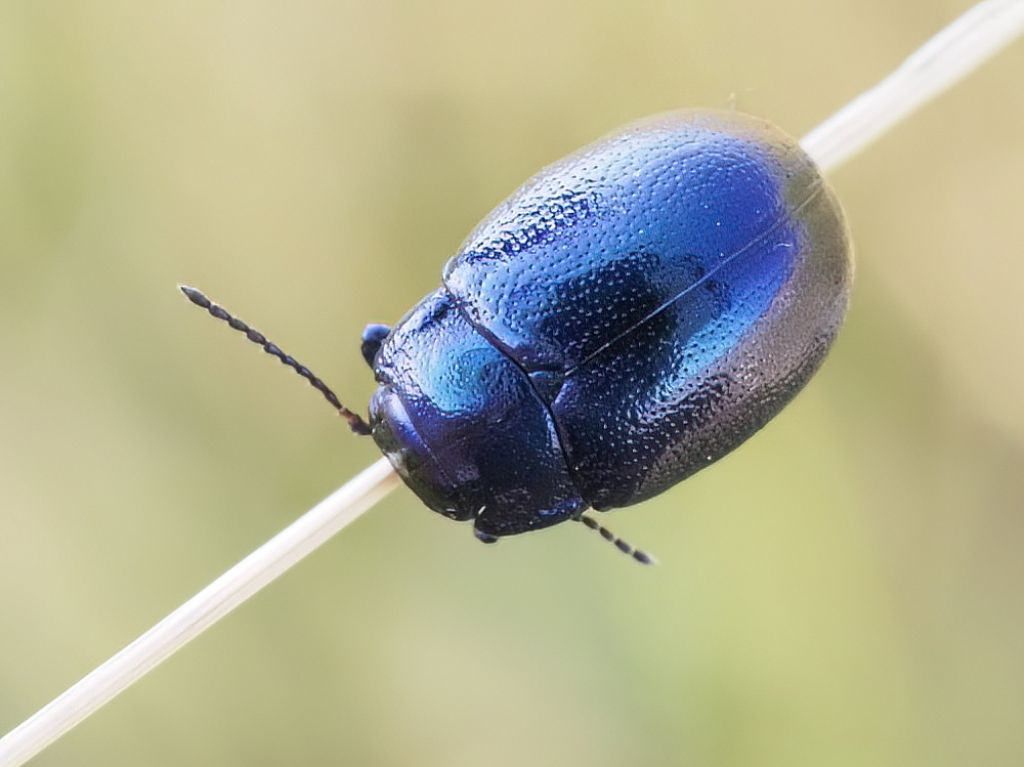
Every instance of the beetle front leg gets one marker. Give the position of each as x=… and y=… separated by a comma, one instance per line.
x=484, y=537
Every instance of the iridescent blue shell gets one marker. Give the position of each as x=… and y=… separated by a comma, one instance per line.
x=629, y=315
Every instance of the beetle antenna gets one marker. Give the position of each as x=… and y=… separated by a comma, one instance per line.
x=639, y=555
x=355, y=422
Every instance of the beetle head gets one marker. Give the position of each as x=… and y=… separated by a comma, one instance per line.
x=410, y=454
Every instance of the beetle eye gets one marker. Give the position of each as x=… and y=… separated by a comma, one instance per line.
x=373, y=337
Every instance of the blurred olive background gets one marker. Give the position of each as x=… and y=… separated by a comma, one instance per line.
x=843, y=590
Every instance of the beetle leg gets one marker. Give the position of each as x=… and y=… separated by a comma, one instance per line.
x=480, y=534
x=484, y=537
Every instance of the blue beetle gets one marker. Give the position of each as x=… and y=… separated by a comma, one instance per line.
x=628, y=316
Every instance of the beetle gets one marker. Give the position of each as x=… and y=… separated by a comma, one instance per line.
x=629, y=315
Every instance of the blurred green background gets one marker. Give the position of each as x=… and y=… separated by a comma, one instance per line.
x=843, y=590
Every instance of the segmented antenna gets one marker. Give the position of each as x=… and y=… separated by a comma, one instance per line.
x=640, y=556
x=355, y=422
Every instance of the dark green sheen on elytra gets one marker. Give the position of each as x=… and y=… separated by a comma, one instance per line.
x=628, y=316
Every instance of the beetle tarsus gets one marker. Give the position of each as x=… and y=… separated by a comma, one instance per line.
x=637, y=554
